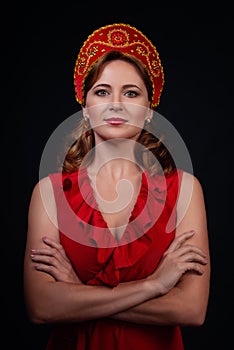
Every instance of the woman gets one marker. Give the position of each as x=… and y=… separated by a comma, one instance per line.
x=117, y=256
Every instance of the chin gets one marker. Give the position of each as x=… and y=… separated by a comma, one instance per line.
x=117, y=132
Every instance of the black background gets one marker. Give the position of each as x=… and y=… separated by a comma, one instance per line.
x=38, y=52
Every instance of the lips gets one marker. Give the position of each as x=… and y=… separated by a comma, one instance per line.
x=115, y=121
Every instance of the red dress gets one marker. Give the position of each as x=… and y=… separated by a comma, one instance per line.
x=100, y=260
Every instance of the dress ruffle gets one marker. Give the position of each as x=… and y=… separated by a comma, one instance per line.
x=99, y=259
x=85, y=224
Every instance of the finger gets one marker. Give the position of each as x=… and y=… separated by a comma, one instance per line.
x=196, y=267
x=56, y=274
x=44, y=259
x=51, y=250
x=179, y=240
x=42, y=251
x=48, y=269
x=51, y=243
x=54, y=245
x=50, y=260
x=189, y=248
x=193, y=257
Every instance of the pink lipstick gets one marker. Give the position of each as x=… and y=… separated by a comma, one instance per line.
x=115, y=121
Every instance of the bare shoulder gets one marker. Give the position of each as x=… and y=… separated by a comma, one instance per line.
x=191, y=212
x=42, y=198
x=42, y=216
x=42, y=191
x=191, y=185
x=43, y=184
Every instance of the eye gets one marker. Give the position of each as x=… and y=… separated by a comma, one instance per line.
x=101, y=92
x=131, y=93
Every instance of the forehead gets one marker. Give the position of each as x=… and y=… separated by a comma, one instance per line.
x=118, y=70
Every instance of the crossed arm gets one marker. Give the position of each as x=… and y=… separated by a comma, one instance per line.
x=176, y=293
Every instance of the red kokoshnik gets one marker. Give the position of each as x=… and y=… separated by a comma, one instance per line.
x=128, y=40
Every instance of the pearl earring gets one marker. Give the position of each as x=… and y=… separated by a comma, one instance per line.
x=148, y=120
x=86, y=122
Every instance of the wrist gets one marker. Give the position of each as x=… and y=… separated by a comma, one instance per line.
x=153, y=288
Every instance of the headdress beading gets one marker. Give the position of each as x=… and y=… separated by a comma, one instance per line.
x=124, y=38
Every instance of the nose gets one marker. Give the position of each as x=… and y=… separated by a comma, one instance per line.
x=116, y=106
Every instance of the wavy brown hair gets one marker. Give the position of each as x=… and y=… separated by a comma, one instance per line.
x=153, y=147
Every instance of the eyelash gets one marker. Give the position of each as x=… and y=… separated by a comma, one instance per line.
x=129, y=93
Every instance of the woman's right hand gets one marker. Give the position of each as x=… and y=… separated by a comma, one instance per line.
x=53, y=260
x=178, y=259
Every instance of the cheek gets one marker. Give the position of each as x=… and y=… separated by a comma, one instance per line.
x=139, y=113
x=95, y=114
x=95, y=111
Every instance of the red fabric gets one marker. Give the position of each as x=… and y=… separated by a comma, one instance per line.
x=100, y=260
x=126, y=39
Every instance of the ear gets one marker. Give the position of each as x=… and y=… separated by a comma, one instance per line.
x=85, y=112
x=149, y=115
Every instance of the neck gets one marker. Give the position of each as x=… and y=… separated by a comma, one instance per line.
x=115, y=157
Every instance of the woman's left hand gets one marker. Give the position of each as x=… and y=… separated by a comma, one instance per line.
x=53, y=260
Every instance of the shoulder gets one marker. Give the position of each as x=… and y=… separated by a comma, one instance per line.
x=191, y=184
x=191, y=208
x=191, y=194
x=42, y=204
x=42, y=191
x=43, y=184
x=42, y=213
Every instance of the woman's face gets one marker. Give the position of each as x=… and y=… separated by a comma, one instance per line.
x=117, y=105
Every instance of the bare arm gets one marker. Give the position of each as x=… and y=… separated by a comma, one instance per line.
x=186, y=303
x=49, y=300
x=54, y=299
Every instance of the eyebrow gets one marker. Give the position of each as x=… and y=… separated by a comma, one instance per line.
x=109, y=86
